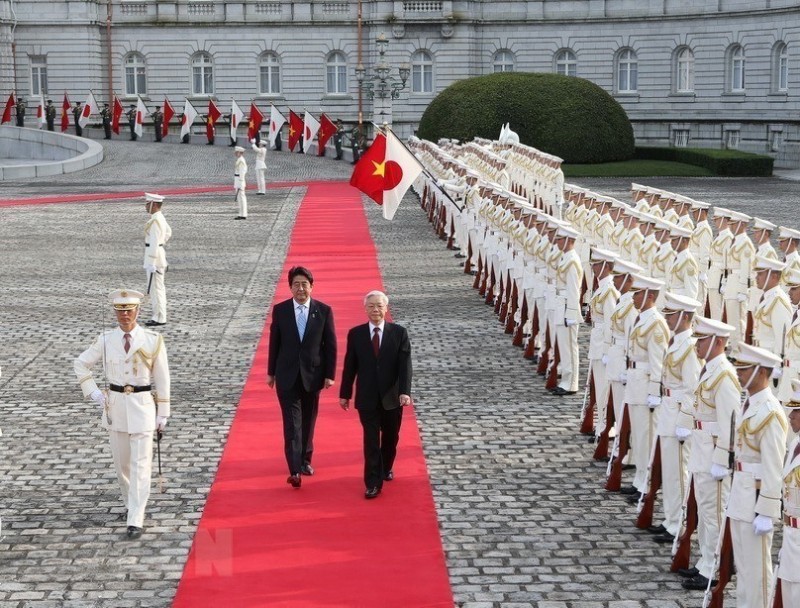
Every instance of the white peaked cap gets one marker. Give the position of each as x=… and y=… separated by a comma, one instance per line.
x=749, y=355
x=703, y=326
x=674, y=301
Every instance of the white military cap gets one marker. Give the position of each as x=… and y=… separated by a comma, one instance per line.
x=699, y=204
x=125, y=299
x=263, y=143
x=674, y=301
x=641, y=281
x=153, y=198
x=762, y=224
x=722, y=212
x=794, y=404
x=598, y=254
x=788, y=233
x=791, y=276
x=765, y=263
x=238, y=149
x=638, y=187
x=662, y=224
x=704, y=327
x=647, y=218
x=679, y=231
x=749, y=355
x=625, y=267
x=739, y=217
x=565, y=232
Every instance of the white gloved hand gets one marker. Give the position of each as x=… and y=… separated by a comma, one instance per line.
x=682, y=433
x=762, y=525
x=718, y=472
x=161, y=422
x=604, y=359
x=777, y=372
x=570, y=322
x=742, y=297
x=98, y=397
x=253, y=141
x=723, y=283
x=151, y=268
x=623, y=376
x=653, y=401
x=703, y=277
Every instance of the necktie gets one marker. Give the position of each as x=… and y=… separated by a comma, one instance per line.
x=746, y=405
x=376, y=340
x=301, y=321
x=796, y=451
x=127, y=338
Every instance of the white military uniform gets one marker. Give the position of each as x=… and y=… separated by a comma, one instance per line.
x=602, y=305
x=156, y=235
x=130, y=417
x=789, y=565
x=240, y=183
x=737, y=286
x=261, y=168
x=720, y=249
x=567, y=313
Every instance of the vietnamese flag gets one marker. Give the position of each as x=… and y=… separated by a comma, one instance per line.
x=65, y=113
x=168, y=113
x=213, y=117
x=326, y=130
x=295, y=129
x=385, y=172
x=7, y=112
x=116, y=114
x=256, y=118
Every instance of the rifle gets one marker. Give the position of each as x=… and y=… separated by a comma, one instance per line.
x=601, y=451
x=468, y=261
x=158, y=452
x=621, y=444
x=683, y=541
x=713, y=598
x=511, y=310
x=777, y=592
x=544, y=356
x=552, y=376
x=530, y=347
x=501, y=301
x=523, y=320
x=587, y=410
x=653, y=484
x=478, y=272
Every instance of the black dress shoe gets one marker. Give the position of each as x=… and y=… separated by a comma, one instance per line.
x=665, y=538
x=659, y=529
x=560, y=392
x=153, y=323
x=133, y=532
x=389, y=476
x=240, y=217
x=628, y=467
x=688, y=572
x=372, y=493
x=697, y=583
x=633, y=498
x=294, y=481
x=307, y=469
x=629, y=490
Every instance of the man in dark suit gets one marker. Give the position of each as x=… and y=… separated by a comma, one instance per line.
x=378, y=359
x=302, y=359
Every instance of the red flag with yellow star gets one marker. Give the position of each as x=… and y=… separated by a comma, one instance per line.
x=326, y=131
x=295, y=129
x=254, y=125
x=385, y=172
x=211, y=122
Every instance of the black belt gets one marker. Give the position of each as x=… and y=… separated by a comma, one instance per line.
x=235, y=175
x=128, y=388
x=148, y=244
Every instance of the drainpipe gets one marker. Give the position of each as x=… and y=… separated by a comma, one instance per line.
x=109, y=13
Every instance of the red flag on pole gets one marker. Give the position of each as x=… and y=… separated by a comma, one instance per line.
x=65, y=113
x=295, y=129
x=168, y=113
x=213, y=116
x=116, y=114
x=7, y=112
x=326, y=131
x=256, y=118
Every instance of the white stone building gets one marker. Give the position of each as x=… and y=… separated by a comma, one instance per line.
x=711, y=73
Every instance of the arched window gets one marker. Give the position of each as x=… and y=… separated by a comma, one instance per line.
x=627, y=71
x=38, y=75
x=684, y=70
x=135, y=75
x=503, y=61
x=421, y=72
x=270, y=74
x=780, y=68
x=736, y=68
x=202, y=74
x=566, y=63
x=336, y=70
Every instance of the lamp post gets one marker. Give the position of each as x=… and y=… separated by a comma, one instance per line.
x=380, y=86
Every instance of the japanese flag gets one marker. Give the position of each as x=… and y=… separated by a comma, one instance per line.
x=141, y=112
x=189, y=114
x=89, y=108
x=310, y=128
x=276, y=121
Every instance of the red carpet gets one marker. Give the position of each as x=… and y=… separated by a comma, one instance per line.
x=262, y=543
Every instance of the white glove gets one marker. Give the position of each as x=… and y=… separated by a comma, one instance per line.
x=718, y=472
x=723, y=283
x=623, y=376
x=653, y=401
x=777, y=372
x=682, y=433
x=161, y=422
x=253, y=141
x=742, y=297
x=703, y=277
x=98, y=397
x=570, y=322
x=151, y=268
x=762, y=525
x=604, y=359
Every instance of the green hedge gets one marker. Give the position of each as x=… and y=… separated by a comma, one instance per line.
x=570, y=117
x=729, y=163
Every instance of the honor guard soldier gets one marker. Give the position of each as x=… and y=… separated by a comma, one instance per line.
x=131, y=114
x=337, y=138
x=740, y=267
x=105, y=115
x=755, y=499
x=773, y=313
x=20, y=109
x=700, y=246
x=158, y=122
x=261, y=165
x=156, y=235
x=76, y=114
x=718, y=263
x=50, y=115
x=681, y=374
x=239, y=182
x=135, y=403
x=717, y=400
x=567, y=313
x=683, y=273
x=788, y=240
x=788, y=588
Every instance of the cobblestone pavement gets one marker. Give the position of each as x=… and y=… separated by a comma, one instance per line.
x=523, y=516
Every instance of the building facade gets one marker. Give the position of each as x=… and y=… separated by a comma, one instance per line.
x=708, y=73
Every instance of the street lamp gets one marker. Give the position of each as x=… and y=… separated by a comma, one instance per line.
x=381, y=86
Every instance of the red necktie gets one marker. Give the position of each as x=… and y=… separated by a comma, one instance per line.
x=746, y=405
x=376, y=340
x=796, y=451
x=127, y=338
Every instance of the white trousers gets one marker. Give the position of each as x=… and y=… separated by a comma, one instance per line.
x=711, y=496
x=567, y=338
x=601, y=389
x=133, y=460
x=752, y=555
x=790, y=592
x=702, y=295
x=674, y=480
x=715, y=303
x=736, y=316
x=241, y=198
x=643, y=434
x=158, y=296
x=261, y=180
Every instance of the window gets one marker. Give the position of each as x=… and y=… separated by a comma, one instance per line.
x=780, y=68
x=684, y=74
x=202, y=74
x=135, y=75
x=566, y=63
x=38, y=75
x=336, y=74
x=680, y=138
x=775, y=141
x=736, y=66
x=503, y=61
x=270, y=74
x=732, y=140
x=421, y=72
x=627, y=71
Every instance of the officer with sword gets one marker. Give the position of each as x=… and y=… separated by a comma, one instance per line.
x=157, y=234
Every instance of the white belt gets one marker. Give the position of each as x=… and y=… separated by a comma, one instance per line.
x=674, y=392
x=711, y=427
x=750, y=467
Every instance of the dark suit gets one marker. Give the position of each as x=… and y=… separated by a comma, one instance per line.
x=300, y=370
x=379, y=383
